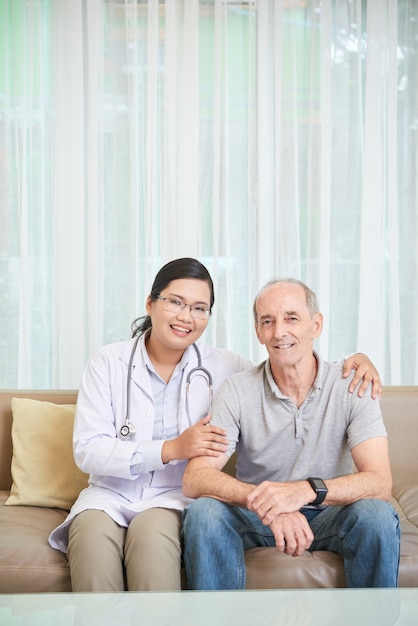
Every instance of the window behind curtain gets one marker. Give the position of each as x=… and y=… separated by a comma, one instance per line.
x=264, y=138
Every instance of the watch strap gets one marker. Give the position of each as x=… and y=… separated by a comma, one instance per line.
x=319, y=488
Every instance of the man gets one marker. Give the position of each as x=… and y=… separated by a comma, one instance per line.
x=292, y=421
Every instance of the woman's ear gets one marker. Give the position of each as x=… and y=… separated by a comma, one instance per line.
x=148, y=305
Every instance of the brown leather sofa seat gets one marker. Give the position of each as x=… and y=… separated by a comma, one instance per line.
x=28, y=564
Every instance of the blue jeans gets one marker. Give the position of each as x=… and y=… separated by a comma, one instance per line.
x=216, y=536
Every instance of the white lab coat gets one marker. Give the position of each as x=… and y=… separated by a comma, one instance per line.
x=102, y=452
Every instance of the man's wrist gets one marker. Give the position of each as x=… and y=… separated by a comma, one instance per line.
x=319, y=489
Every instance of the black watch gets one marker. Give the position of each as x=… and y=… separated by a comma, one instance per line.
x=321, y=491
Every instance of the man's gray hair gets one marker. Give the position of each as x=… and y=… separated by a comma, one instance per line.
x=311, y=299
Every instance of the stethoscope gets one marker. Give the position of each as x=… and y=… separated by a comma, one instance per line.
x=128, y=430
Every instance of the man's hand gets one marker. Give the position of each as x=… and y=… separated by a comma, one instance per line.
x=270, y=499
x=292, y=533
x=365, y=371
x=201, y=439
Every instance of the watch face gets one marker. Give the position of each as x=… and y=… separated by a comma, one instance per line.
x=317, y=483
x=320, y=489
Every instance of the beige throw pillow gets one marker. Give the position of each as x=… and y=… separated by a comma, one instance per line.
x=43, y=469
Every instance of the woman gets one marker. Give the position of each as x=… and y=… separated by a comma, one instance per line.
x=134, y=439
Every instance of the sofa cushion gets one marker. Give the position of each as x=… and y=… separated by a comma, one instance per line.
x=43, y=469
x=269, y=569
x=28, y=564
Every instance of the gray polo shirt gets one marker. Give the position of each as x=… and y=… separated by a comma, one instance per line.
x=278, y=441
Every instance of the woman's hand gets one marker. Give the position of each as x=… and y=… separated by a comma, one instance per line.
x=202, y=439
x=365, y=371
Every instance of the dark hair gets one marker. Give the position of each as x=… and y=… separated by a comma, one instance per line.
x=179, y=268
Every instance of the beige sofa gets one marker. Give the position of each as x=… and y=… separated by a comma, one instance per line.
x=28, y=564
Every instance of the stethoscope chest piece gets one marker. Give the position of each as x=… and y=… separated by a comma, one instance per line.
x=128, y=431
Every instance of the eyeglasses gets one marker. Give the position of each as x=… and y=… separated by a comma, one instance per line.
x=175, y=306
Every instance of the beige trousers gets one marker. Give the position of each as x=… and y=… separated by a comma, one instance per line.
x=146, y=556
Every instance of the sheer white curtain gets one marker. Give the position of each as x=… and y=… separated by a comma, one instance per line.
x=265, y=138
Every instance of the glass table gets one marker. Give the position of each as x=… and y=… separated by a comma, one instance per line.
x=310, y=607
